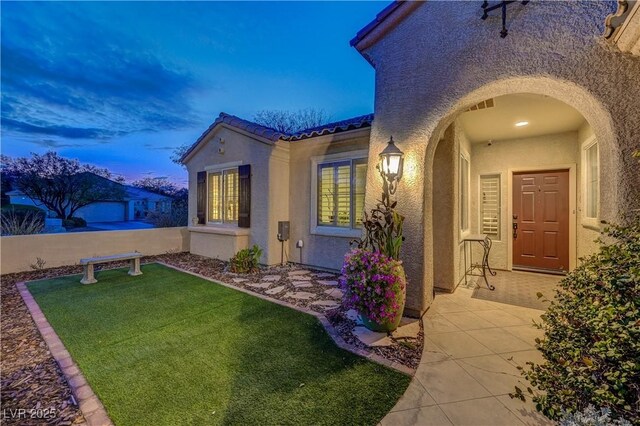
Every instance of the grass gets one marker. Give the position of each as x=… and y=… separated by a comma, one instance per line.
x=170, y=348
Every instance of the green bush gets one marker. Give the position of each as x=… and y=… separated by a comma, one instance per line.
x=22, y=210
x=27, y=223
x=592, y=334
x=246, y=260
x=74, y=222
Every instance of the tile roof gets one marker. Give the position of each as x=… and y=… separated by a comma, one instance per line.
x=239, y=123
x=274, y=135
x=380, y=17
x=335, y=127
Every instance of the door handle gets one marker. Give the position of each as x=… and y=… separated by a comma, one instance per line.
x=515, y=230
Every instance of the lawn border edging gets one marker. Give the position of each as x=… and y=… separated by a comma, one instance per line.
x=329, y=328
x=90, y=405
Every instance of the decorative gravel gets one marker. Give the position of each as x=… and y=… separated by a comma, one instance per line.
x=31, y=379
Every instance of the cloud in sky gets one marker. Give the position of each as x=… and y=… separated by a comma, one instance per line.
x=63, y=80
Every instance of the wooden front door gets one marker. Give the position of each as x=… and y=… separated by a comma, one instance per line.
x=540, y=225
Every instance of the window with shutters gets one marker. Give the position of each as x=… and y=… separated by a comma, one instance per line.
x=490, y=206
x=222, y=196
x=340, y=193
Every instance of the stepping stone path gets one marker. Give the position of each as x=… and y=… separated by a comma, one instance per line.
x=326, y=304
x=371, y=338
x=334, y=292
x=300, y=284
x=260, y=285
x=298, y=272
x=275, y=290
x=324, y=275
x=271, y=278
x=329, y=283
x=300, y=277
x=239, y=280
x=300, y=295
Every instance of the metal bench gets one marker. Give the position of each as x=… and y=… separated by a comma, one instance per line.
x=89, y=278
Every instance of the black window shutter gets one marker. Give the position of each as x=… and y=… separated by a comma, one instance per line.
x=202, y=197
x=244, y=196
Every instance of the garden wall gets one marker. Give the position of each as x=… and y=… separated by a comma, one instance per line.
x=17, y=253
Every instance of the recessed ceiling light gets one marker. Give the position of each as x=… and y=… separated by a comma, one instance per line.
x=522, y=123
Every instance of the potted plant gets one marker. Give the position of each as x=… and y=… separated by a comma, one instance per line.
x=373, y=278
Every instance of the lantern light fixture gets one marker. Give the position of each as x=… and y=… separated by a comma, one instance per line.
x=391, y=165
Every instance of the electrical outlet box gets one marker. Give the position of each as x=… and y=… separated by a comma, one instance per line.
x=283, y=230
x=299, y=244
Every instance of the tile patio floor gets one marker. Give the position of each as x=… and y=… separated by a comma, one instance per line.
x=468, y=365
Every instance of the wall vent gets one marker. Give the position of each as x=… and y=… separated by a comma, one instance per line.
x=488, y=103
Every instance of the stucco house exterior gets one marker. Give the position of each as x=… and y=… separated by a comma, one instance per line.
x=134, y=205
x=526, y=138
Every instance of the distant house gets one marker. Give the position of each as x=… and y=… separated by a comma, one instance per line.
x=135, y=205
x=527, y=139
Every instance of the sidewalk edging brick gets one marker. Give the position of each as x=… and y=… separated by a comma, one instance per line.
x=90, y=405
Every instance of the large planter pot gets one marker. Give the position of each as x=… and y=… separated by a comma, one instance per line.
x=391, y=324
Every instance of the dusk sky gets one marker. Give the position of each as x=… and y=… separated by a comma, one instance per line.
x=120, y=84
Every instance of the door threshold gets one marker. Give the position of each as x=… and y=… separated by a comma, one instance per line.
x=538, y=270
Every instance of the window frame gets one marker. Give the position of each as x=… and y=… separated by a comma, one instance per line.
x=353, y=158
x=221, y=170
x=498, y=176
x=589, y=221
x=464, y=188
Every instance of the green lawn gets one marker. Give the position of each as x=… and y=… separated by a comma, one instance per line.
x=170, y=348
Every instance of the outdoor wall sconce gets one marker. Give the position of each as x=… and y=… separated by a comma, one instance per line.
x=502, y=5
x=390, y=166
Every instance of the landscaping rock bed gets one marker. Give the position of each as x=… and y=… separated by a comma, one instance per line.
x=31, y=379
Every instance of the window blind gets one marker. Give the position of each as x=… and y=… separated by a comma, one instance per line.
x=490, y=207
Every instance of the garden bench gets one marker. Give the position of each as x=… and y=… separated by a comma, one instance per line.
x=89, y=278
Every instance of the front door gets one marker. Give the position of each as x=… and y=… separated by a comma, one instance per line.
x=541, y=220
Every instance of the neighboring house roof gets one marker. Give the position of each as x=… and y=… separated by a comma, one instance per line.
x=335, y=127
x=274, y=135
x=131, y=192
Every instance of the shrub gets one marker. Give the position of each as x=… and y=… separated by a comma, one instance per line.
x=591, y=417
x=592, y=334
x=14, y=223
x=74, y=222
x=371, y=281
x=21, y=210
x=176, y=217
x=246, y=260
x=383, y=229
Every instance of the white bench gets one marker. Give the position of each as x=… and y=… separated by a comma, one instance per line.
x=89, y=278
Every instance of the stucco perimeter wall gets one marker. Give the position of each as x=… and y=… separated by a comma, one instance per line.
x=240, y=148
x=325, y=251
x=442, y=58
x=21, y=251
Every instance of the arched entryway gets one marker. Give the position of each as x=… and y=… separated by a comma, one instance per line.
x=478, y=163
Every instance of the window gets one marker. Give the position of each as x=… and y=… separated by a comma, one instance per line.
x=490, y=206
x=223, y=196
x=340, y=193
x=464, y=193
x=590, y=178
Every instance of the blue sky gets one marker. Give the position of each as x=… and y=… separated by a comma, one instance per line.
x=121, y=84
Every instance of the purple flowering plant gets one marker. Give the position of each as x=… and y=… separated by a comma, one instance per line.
x=371, y=284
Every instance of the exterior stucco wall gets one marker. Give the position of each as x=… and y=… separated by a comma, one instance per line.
x=319, y=250
x=239, y=148
x=20, y=251
x=442, y=59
